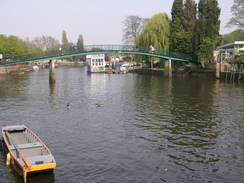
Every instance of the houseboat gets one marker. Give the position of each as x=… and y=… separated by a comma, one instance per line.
x=95, y=63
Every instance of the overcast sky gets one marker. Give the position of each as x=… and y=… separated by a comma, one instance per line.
x=99, y=21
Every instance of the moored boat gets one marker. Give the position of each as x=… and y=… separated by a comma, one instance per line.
x=95, y=63
x=26, y=150
x=16, y=72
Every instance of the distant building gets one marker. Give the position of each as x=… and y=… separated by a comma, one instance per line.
x=95, y=63
x=229, y=52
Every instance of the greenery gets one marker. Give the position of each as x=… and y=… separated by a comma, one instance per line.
x=155, y=33
x=66, y=46
x=176, y=25
x=237, y=11
x=182, y=26
x=236, y=35
x=240, y=59
x=192, y=29
x=80, y=48
x=65, y=42
x=206, y=31
x=12, y=45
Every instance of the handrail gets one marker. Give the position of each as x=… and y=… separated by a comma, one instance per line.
x=92, y=49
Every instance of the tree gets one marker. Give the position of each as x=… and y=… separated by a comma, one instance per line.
x=43, y=42
x=189, y=21
x=182, y=26
x=132, y=27
x=209, y=11
x=65, y=42
x=12, y=45
x=206, y=30
x=155, y=33
x=231, y=37
x=237, y=11
x=240, y=59
x=80, y=48
x=176, y=24
x=205, y=52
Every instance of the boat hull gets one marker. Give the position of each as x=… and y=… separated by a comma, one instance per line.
x=26, y=150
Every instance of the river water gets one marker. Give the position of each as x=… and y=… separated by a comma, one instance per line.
x=150, y=130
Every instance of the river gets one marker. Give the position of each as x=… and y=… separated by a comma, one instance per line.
x=150, y=130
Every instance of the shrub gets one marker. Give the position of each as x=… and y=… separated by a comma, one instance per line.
x=240, y=59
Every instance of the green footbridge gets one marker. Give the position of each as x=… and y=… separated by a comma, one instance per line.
x=92, y=49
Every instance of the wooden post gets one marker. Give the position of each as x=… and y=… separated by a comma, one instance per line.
x=168, y=69
x=218, y=70
x=25, y=176
x=8, y=159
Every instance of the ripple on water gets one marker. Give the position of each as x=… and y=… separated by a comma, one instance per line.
x=149, y=130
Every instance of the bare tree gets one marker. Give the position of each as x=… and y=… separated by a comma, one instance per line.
x=237, y=11
x=132, y=27
x=43, y=42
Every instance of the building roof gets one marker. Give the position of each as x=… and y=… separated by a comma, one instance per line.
x=231, y=45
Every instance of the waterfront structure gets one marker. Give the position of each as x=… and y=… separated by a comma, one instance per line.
x=95, y=63
x=229, y=52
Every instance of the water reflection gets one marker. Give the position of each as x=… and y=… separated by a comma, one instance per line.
x=150, y=129
x=52, y=75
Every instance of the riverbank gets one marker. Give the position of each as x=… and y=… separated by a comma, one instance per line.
x=189, y=70
x=192, y=71
x=5, y=70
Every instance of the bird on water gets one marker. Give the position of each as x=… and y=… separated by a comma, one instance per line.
x=68, y=105
x=99, y=105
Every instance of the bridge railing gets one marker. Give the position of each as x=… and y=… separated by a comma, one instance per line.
x=89, y=50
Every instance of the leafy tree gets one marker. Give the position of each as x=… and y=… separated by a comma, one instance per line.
x=156, y=33
x=12, y=45
x=189, y=21
x=240, y=59
x=237, y=11
x=182, y=26
x=198, y=37
x=80, y=48
x=206, y=30
x=65, y=42
x=176, y=24
x=209, y=12
x=132, y=27
x=236, y=35
x=205, y=52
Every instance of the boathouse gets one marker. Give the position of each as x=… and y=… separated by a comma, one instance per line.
x=95, y=63
x=229, y=52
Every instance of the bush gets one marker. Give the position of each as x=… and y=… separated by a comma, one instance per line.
x=240, y=59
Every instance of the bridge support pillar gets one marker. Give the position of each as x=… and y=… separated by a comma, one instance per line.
x=52, y=76
x=218, y=70
x=51, y=64
x=167, y=69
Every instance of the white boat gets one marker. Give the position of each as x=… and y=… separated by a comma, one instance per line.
x=35, y=68
x=95, y=63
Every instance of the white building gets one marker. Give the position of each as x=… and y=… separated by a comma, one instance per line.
x=228, y=52
x=95, y=63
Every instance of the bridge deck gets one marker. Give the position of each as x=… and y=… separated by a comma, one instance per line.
x=93, y=49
